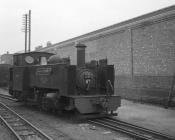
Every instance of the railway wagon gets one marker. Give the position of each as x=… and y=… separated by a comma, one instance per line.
x=53, y=83
x=4, y=74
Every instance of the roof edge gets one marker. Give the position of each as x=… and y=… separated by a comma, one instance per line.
x=129, y=21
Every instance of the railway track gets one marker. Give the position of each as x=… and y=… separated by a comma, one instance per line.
x=19, y=127
x=130, y=129
x=7, y=97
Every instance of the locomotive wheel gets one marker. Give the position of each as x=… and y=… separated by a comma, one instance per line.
x=50, y=105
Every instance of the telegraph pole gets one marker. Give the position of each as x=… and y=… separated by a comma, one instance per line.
x=25, y=33
x=29, y=24
x=27, y=30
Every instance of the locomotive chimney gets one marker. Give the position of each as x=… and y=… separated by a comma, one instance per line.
x=80, y=54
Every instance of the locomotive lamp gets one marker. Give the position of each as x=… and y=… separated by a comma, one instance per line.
x=80, y=54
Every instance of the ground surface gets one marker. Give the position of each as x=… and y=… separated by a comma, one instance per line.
x=59, y=127
x=149, y=116
x=4, y=133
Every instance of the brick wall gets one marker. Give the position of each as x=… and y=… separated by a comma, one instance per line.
x=154, y=49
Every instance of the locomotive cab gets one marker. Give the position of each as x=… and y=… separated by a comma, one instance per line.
x=19, y=72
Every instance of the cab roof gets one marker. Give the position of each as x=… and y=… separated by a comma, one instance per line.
x=33, y=53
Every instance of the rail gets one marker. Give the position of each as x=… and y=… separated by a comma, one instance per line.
x=130, y=129
x=7, y=97
x=20, y=128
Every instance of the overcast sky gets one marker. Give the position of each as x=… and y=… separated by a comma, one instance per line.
x=59, y=20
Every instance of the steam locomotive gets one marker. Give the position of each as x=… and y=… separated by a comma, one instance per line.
x=45, y=80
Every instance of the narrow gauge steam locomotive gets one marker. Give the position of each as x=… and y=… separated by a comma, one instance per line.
x=43, y=79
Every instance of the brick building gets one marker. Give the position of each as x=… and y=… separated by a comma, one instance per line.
x=142, y=50
x=6, y=58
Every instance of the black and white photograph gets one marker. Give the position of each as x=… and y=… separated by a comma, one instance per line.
x=87, y=70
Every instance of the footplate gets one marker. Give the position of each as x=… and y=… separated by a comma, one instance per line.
x=96, y=104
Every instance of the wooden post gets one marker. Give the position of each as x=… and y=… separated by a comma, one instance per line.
x=25, y=33
x=170, y=96
x=132, y=59
x=29, y=24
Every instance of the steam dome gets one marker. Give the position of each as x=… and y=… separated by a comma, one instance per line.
x=54, y=59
